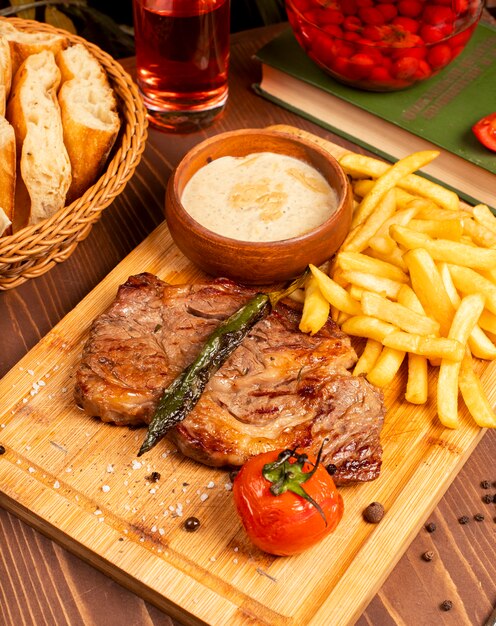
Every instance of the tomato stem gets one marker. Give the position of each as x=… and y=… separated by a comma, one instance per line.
x=287, y=474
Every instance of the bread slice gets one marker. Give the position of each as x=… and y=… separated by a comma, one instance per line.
x=7, y=176
x=44, y=166
x=23, y=43
x=5, y=73
x=89, y=116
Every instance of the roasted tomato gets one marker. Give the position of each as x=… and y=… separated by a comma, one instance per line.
x=485, y=131
x=287, y=501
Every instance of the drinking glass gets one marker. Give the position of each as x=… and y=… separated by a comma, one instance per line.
x=182, y=56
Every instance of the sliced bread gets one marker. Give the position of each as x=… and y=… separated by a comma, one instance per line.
x=5, y=73
x=7, y=176
x=44, y=171
x=23, y=43
x=89, y=116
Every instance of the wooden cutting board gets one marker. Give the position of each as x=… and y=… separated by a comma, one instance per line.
x=79, y=482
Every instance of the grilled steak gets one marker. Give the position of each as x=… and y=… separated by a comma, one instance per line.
x=279, y=389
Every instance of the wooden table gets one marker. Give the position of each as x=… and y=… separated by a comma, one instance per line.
x=41, y=583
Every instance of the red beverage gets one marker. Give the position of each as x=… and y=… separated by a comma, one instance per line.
x=182, y=53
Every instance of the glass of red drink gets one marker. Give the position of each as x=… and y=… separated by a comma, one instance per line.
x=182, y=56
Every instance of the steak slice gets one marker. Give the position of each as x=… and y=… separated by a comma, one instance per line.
x=280, y=388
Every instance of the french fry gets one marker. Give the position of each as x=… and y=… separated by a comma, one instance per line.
x=368, y=357
x=355, y=292
x=487, y=321
x=407, y=297
x=370, y=282
x=382, y=240
x=387, y=180
x=416, y=386
x=362, y=186
x=359, y=239
x=444, y=249
x=484, y=216
x=342, y=317
x=336, y=295
x=386, y=367
x=474, y=396
x=368, y=327
x=429, y=288
x=356, y=261
x=361, y=166
x=446, y=229
x=480, y=344
x=479, y=233
x=397, y=314
x=467, y=281
x=395, y=257
x=429, y=211
x=315, y=308
x=464, y=321
x=430, y=347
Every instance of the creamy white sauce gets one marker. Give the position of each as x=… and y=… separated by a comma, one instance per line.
x=260, y=197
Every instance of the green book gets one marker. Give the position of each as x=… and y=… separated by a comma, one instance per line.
x=437, y=113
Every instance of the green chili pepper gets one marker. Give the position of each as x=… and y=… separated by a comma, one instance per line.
x=185, y=391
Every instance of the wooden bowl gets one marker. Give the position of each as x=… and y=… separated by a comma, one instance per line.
x=257, y=262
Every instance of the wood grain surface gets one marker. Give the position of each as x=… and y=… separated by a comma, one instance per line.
x=40, y=583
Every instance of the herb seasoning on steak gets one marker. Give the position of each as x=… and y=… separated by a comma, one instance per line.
x=281, y=388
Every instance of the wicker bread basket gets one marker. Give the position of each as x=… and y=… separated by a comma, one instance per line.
x=35, y=249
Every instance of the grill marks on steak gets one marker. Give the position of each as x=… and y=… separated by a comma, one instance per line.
x=279, y=389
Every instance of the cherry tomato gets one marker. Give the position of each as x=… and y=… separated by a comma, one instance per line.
x=287, y=523
x=485, y=131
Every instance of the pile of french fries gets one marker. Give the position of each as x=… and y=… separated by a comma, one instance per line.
x=416, y=278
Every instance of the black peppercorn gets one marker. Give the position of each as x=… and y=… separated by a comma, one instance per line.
x=2, y=449
x=331, y=469
x=191, y=524
x=464, y=519
x=447, y=605
x=373, y=513
x=233, y=474
x=486, y=484
x=431, y=527
x=487, y=499
x=478, y=517
x=154, y=477
x=428, y=556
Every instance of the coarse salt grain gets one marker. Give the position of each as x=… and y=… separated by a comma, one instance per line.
x=153, y=490
x=31, y=372
x=110, y=468
x=212, y=558
x=136, y=465
x=228, y=486
x=211, y=485
x=161, y=531
x=97, y=512
x=105, y=488
x=154, y=529
x=235, y=560
x=31, y=470
x=204, y=497
x=56, y=484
